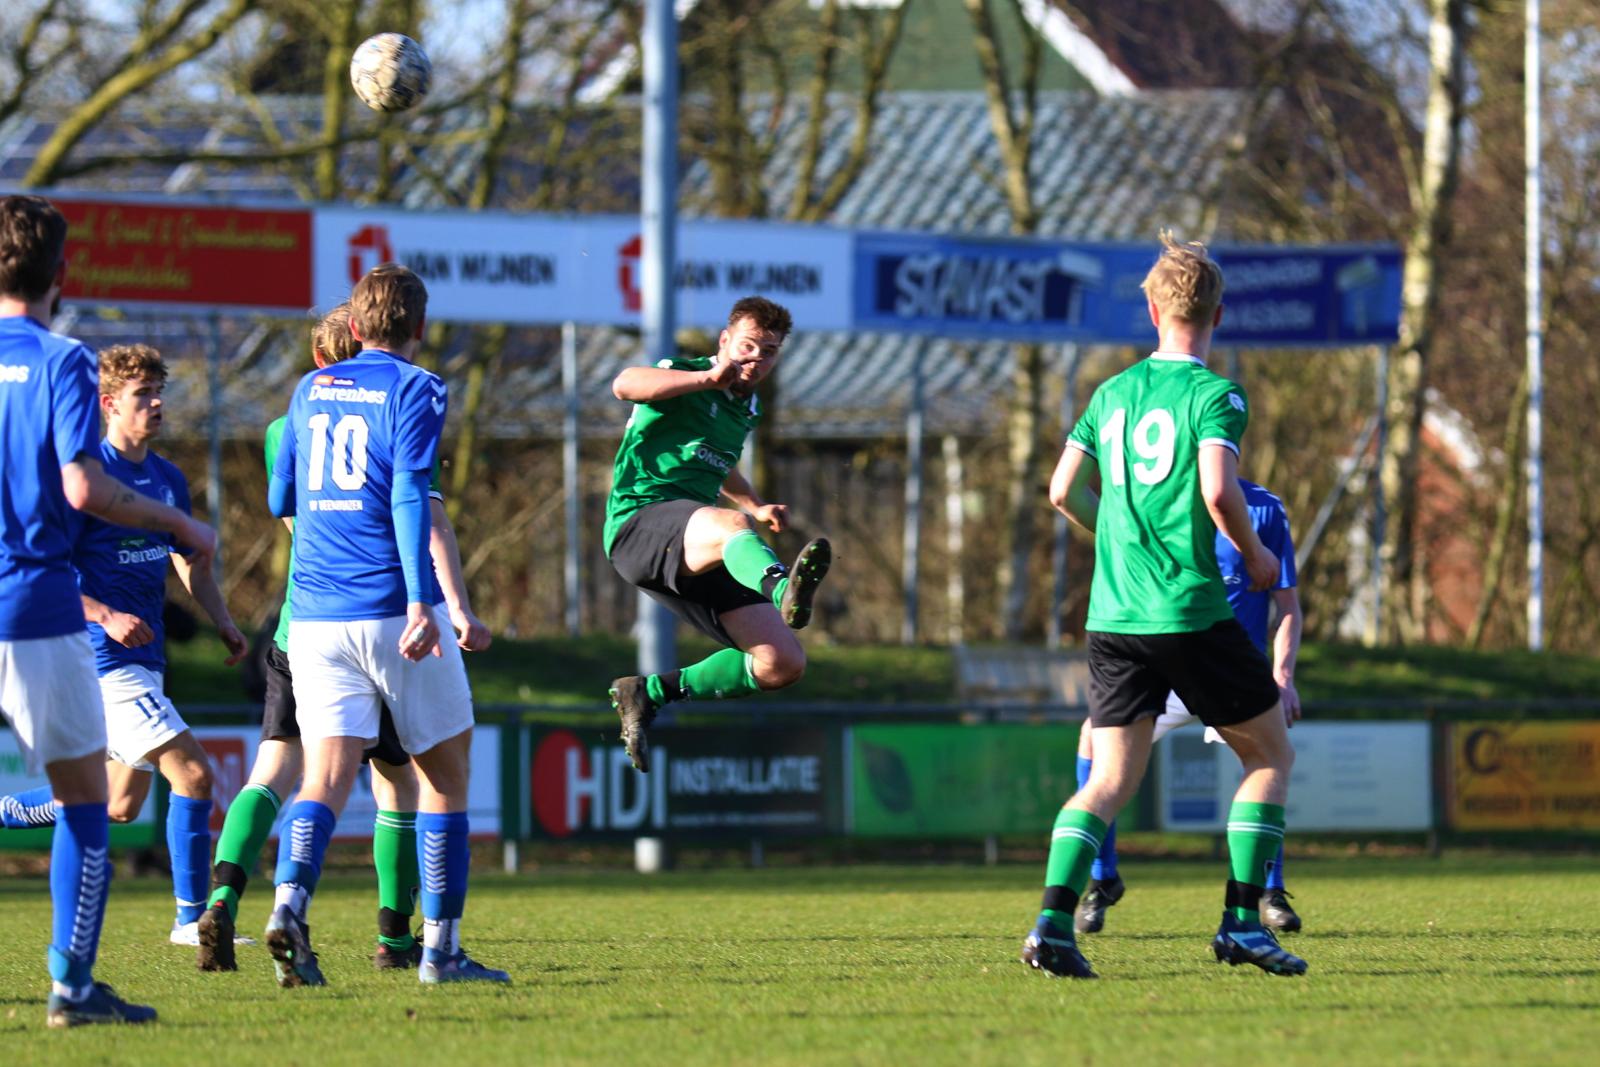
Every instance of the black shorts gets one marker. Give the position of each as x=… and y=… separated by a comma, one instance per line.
x=1218, y=674
x=278, y=722
x=648, y=553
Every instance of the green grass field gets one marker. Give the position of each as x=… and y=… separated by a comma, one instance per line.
x=1467, y=960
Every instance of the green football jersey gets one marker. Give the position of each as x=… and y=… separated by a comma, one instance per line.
x=678, y=449
x=274, y=441
x=1155, y=560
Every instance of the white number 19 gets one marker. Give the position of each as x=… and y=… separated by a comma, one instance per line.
x=1154, y=439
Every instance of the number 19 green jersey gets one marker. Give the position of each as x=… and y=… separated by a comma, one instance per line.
x=1155, y=561
x=678, y=449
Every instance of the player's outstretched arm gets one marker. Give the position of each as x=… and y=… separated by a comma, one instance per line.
x=645, y=385
x=1070, y=489
x=129, y=631
x=202, y=585
x=471, y=633
x=90, y=489
x=1219, y=487
x=736, y=488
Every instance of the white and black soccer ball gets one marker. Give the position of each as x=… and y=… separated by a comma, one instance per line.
x=390, y=72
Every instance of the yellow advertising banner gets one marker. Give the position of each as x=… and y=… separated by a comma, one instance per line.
x=1525, y=775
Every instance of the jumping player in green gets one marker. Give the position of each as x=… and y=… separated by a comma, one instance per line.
x=1164, y=437
x=665, y=534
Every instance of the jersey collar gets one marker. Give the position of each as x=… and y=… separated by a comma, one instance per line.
x=1178, y=357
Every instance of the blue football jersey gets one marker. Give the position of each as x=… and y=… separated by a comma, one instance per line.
x=125, y=568
x=351, y=427
x=49, y=415
x=1271, y=524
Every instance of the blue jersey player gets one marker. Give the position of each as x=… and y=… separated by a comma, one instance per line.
x=50, y=471
x=353, y=471
x=122, y=579
x=1254, y=610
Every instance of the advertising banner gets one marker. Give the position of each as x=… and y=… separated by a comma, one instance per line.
x=1309, y=296
x=1039, y=290
x=1348, y=776
x=1524, y=776
x=233, y=751
x=14, y=778
x=478, y=267
x=203, y=257
x=950, y=780
x=702, y=782
x=807, y=269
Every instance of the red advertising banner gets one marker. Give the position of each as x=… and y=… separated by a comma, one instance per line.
x=175, y=254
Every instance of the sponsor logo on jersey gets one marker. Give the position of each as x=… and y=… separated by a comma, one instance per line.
x=712, y=458
x=15, y=373
x=348, y=395
x=132, y=551
x=322, y=379
x=336, y=505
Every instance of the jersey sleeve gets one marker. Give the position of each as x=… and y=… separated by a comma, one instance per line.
x=75, y=406
x=418, y=421
x=1275, y=535
x=436, y=480
x=1085, y=433
x=274, y=441
x=1223, y=416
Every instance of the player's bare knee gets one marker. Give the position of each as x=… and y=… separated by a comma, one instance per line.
x=124, y=809
x=195, y=780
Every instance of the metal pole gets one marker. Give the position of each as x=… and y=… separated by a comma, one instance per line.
x=1379, y=508
x=955, y=536
x=572, y=491
x=1533, y=150
x=1058, y=550
x=909, y=576
x=214, y=433
x=659, y=222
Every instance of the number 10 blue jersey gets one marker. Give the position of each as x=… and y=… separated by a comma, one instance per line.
x=351, y=428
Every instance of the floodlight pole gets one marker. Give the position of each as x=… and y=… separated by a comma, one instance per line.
x=1532, y=151
x=572, y=572
x=659, y=224
x=214, y=437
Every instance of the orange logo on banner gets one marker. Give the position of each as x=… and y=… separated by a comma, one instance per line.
x=228, y=771
x=1525, y=775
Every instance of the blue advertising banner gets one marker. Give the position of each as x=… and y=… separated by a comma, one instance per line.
x=1053, y=291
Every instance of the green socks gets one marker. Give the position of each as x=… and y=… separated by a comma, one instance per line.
x=394, y=854
x=722, y=675
x=244, y=831
x=754, y=565
x=1255, y=832
x=1073, y=846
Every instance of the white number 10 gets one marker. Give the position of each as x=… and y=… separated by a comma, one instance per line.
x=1154, y=438
x=349, y=451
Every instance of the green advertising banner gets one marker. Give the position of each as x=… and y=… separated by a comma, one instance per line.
x=963, y=781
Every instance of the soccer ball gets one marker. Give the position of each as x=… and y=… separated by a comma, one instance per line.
x=390, y=72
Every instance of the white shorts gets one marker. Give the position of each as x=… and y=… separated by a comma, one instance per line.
x=139, y=717
x=49, y=696
x=344, y=672
x=1176, y=716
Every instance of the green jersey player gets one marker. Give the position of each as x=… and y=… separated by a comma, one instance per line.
x=666, y=534
x=1164, y=438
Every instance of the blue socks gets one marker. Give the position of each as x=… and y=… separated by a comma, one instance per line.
x=1275, y=871
x=442, y=853
x=1104, y=868
x=80, y=878
x=189, y=843
x=302, y=843
x=30, y=808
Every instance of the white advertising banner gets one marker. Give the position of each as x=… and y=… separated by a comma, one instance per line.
x=807, y=269
x=233, y=753
x=1348, y=776
x=492, y=267
x=478, y=267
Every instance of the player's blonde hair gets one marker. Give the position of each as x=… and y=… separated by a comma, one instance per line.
x=387, y=305
x=331, y=336
x=1186, y=282
x=121, y=364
